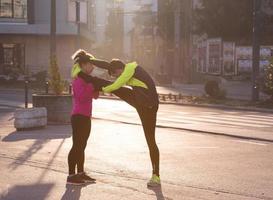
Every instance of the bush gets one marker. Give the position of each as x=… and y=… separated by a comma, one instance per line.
x=268, y=79
x=55, y=82
x=212, y=89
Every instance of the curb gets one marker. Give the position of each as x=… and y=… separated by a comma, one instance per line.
x=264, y=110
x=203, y=105
x=11, y=106
x=194, y=130
x=179, y=104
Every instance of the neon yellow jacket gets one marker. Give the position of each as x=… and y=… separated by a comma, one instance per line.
x=126, y=78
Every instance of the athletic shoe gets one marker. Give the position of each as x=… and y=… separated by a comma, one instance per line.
x=86, y=178
x=75, y=180
x=154, y=181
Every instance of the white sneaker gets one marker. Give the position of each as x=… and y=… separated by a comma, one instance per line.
x=154, y=181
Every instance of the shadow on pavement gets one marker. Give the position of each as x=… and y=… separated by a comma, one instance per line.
x=23, y=157
x=158, y=192
x=41, y=138
x=73, y=192
x=42, y=134
x=27, y=192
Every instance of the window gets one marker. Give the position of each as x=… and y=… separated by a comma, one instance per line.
x=16, y=9
x=72, y=12
x=12, y=59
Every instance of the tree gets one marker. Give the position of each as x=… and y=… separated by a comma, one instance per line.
x=142, y=36
x=114, y=33
x=166, y=19
x=230, y=20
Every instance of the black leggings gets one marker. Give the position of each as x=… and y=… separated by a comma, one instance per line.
x=81, y=126
x=146, y=114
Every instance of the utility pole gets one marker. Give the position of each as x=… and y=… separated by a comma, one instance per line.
x=53, y=29
x=78, y=21
x=256, y=48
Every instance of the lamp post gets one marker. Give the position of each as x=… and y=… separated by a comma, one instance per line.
x=256, y=49
x=53, y=29
x=78, y=21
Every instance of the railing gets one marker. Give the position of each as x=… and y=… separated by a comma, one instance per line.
x=162, y=97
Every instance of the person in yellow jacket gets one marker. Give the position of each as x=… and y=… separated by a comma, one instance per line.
x=142, y=95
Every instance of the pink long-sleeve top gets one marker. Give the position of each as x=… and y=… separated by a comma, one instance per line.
x=83, y=94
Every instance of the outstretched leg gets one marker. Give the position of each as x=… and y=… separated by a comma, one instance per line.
x=123, y=93
x=148, y=119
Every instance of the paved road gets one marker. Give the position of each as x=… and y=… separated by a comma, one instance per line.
x=233, y=122
x=230, y=122
x=193, y=166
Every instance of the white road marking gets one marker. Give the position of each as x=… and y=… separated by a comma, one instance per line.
x=193, y=147
x=270, y=117
x=190, y=119
x=228, y=115
x=230, y=119
x=248, y=142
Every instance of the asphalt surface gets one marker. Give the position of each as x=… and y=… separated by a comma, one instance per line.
x=193, y=165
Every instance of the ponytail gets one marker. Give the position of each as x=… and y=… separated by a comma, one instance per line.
x=81, y=56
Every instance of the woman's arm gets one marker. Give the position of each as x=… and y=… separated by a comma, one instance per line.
x=87, y=78
x=98, y=83
x=100, y=63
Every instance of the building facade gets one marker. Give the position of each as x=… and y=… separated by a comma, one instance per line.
x=114, y=26
x=25, y=35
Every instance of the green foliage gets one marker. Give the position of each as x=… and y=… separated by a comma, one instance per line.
x=56, y=82
x=268, y=79
x=166, y=19
x=230, y=20
x=114, y=33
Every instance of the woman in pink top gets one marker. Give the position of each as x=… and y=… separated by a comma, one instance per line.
x=83, y=94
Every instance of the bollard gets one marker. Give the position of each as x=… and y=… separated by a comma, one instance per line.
x=180, y=96
x=170, y=96
x=70, y=88
x=26, y=94
x=46, y=87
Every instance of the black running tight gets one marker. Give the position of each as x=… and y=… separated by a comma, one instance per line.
x=81, y=126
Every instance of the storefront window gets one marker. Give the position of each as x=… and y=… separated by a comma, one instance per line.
x=16, y=9
x=12, y=59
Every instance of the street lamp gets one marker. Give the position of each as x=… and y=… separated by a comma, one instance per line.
x=53, y=29
x=78, y=20
x=256, y=48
